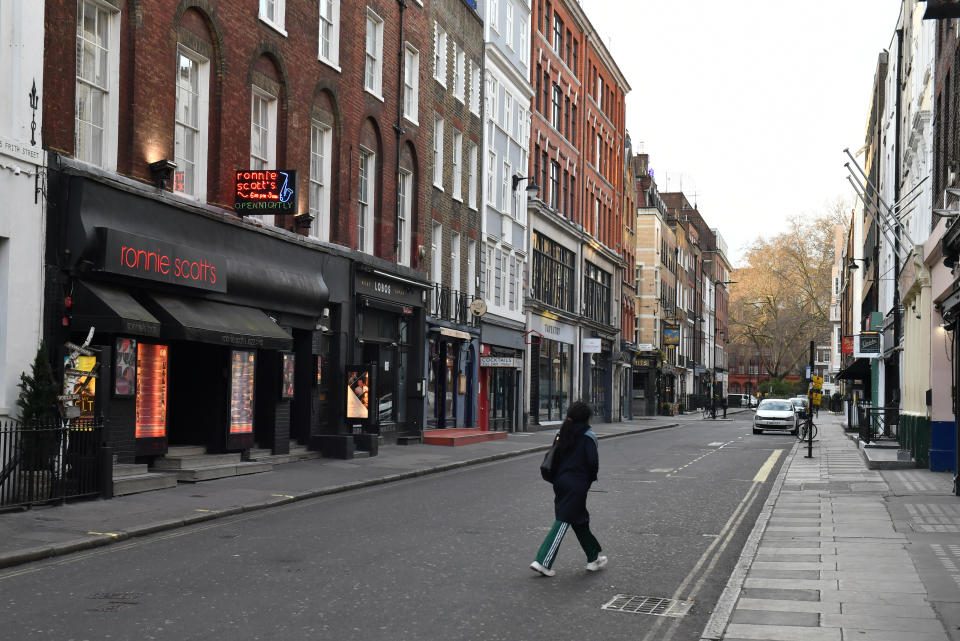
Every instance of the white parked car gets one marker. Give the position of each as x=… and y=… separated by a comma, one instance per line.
x=775, y=414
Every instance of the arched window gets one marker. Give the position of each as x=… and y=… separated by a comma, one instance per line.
x=368, y=186
x=322, y=128
x=406, y=204
x=195, y=50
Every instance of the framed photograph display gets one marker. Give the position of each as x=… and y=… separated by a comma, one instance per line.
x=286, y=375
x=242, y=368
x=358, y=392
x=125, y=368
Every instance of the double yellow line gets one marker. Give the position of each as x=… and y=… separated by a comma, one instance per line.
x=708, y=560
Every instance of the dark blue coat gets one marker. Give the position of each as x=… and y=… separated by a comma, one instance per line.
x=574, y=472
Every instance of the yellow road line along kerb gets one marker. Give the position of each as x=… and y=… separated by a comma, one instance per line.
x=764, y=470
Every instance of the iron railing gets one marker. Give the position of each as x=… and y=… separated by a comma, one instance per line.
x=451, y=305
x=50, y=462
x=879, y=423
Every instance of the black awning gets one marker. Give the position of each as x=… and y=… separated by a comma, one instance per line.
x=204, y=321
x=859, y=369
x=111, y=310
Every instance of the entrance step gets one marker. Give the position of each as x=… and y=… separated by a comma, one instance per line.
x=194, y=464
x=361, y=454
x=460, y=436
x=297, y=453
x=408, y=440
x=133, y=479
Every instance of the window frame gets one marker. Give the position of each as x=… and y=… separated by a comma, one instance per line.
x=474, y=151
x=278, y=21
x=365, y=227
x=377, y=56
x=320, y=208
x=411, y=83
x=202, y=130
x=106, y=151
x=437, y=151
x=457, y=165
x=404, y=216
x=439, y=54
x=333, y=23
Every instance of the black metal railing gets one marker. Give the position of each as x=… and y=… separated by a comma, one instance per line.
x=50, y=462
x=879, y=423
x=451, y=305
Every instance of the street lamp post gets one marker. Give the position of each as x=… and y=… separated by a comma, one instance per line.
x=713, y=347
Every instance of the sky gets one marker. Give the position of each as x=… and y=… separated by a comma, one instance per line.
x=747, y=105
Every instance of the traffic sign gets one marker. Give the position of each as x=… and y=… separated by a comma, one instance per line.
x=816, y=398
x=817, y=382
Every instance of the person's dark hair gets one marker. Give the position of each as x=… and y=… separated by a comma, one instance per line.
x=579, y=412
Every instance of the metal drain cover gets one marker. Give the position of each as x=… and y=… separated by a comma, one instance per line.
x=633, y=604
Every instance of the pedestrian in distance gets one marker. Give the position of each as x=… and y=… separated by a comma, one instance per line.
x=723, y=404
x=576, y=463
x=713, y=407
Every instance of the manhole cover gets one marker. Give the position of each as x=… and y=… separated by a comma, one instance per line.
x=633, y=604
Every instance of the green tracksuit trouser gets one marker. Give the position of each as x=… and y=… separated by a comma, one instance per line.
x=548, y=549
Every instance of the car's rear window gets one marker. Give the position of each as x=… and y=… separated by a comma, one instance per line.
x=776, y=406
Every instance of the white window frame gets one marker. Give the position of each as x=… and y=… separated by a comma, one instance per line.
x=505, y=187
x=508, y=112
x=475, y=80
x=103, y=155
x=494, y=18
x=436, y=253
x=524, y=47
x=277, y=20
x=366, y=215
x=471, y=268
x=455, y=284
x=491, y=178
x=321, y=160
x=200, y=128
x=268, y=157
x=439, y=54
x=404, y=216
x=438, y=151
x=373, y=59
x=329, y=21
x=457, y=165
x=508, y=27
x=459, y=80
x=411, y=83
x=472, y=177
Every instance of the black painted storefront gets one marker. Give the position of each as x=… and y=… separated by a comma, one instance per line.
x=237, y=321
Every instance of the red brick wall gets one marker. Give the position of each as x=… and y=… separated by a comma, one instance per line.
x=244, y=46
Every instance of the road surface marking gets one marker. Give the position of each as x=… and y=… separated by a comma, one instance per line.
x=764, y=470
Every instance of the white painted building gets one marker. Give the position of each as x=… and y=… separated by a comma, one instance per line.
x=504, y=251
x=22, y=217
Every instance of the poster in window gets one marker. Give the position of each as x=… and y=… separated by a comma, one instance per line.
x=286, y=378
x=319, y=369
x=151, y=386
x=242, y=366
x=125, y=367
x=358, y=392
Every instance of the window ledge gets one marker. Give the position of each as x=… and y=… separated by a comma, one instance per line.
x=373, y=93
x=278, y=28
x=330, y=63
x=412, y=121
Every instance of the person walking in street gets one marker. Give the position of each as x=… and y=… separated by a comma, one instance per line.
x=576, y=463
x=723, y=404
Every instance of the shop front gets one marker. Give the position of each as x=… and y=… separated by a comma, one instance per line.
x=451, y=376
x=501, y=369
x=387, y=354
x=204, y=327
x=598, y=376
x=551, y=372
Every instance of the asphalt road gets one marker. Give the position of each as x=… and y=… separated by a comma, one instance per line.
x=441, y=557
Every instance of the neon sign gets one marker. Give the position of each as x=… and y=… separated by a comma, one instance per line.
x=265, y=190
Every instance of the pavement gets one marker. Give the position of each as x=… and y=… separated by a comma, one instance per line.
x=838, y=552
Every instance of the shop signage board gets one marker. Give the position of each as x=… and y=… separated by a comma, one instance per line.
x=671, y=334
x=591, y=346
x=645, y=347
x=265, y=191
x=868, y=345
x=138, y=256
x=387, y=289
x=552, y=329
x=846, y=345
x=500, y=361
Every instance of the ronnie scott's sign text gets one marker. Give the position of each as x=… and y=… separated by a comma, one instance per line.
x=265, y=190
x=142, y=257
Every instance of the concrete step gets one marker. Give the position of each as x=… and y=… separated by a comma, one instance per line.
x=121, y=470
x=180, y=462
x=146, y=482
x=210, y=472
x=186, y=450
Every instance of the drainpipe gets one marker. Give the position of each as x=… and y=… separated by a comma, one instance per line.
x=398, y=130
x=897, y=329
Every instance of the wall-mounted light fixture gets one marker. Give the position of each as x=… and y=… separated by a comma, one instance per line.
x=532, y=187
x=161, y=172
x=853, y=263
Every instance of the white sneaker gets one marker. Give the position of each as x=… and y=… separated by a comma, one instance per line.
x=545, y=571
x=600, y=563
